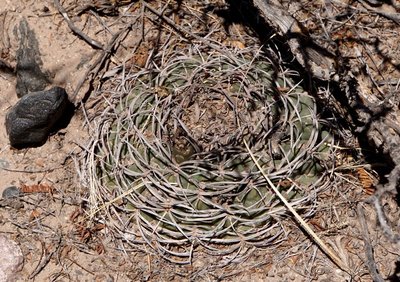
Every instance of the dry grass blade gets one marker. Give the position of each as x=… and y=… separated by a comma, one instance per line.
x=300, y=220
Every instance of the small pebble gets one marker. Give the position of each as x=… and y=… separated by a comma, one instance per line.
x=12, y=259
x=4, y=164
x=11, y=192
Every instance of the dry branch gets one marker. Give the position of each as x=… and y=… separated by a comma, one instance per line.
x=94, y=43
x=317, y=63
x=371, y=264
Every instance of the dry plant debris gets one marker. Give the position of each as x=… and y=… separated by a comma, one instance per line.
x=361, y=36
x=132, y=37
x=167, y=165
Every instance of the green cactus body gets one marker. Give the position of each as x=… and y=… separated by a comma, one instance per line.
x=202, y=185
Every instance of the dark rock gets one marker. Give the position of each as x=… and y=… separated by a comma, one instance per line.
x=10, y=198
x=11, y=192
x=35, y=116
x=30, y=77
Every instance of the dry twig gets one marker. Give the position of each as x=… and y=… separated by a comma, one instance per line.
x=102, y=59
x=92, y=42
x=369, y=251
x=300, y=220
x=47, y=257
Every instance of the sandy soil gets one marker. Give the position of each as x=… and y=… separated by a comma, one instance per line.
x=59, y=242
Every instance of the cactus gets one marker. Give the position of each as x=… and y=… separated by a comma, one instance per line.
x=178, y=130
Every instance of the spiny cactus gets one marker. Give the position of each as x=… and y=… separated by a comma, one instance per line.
x=169, y=160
